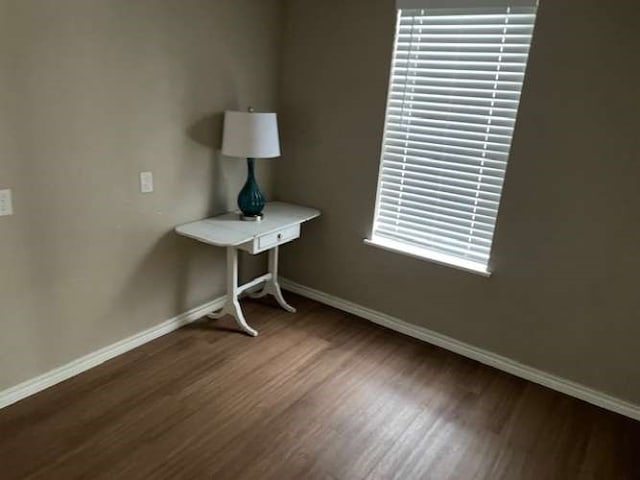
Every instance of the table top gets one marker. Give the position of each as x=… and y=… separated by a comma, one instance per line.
x=229, y=230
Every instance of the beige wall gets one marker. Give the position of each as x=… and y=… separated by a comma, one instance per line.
x=91, y=93
x=564, y=296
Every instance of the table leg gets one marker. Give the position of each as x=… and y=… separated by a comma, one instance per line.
x=272, y=287
x=232, y=305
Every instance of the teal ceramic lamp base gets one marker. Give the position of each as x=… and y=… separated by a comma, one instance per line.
x=250, y=199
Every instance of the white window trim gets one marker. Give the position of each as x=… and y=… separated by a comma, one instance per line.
x=429, y=256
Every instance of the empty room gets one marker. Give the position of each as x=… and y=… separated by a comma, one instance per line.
x=319, y=239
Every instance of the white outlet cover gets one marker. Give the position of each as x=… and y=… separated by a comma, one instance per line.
x=6, y=205
x=146, y=182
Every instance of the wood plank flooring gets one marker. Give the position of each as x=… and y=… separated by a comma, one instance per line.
x=318, y=395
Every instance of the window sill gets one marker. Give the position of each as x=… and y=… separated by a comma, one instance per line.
x=423, y=254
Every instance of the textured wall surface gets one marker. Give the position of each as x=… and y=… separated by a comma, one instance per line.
x=91, y=94
x=563, y=297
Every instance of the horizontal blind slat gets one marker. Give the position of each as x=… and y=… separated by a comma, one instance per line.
x=490, y=175
x=437, y=194
x=404, y=217
x=442, y=237
x=417, y=102
x=442, y=175
x=416, y=16
x=444, y=152
x=414, y=39
x=404, y=48
x=447, y=81
x=424, y=94
x=452, y=144
x=418, y=132
x=420, y=124
x=490, y=166
x=455, y=236
x=476, y=118
x=442, y=187
x=449, y=191
x=465, y=219
x=454, y=208
x=432, y=153
x=438, y=243
x=498, y=27
x=471, y=73
x=474, y=220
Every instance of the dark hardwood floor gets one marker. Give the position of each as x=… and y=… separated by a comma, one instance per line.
x=318, y=395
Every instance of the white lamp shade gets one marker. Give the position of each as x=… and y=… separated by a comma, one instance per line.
x=250, y=135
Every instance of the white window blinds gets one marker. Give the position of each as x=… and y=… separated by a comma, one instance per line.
x=453, y=98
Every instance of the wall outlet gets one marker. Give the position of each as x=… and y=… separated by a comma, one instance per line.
x=146, y=182
x=6, y=205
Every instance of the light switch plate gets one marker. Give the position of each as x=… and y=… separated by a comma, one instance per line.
x=146, y=182
x=6, y=205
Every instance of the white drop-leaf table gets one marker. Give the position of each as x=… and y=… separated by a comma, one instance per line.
x=281, y=224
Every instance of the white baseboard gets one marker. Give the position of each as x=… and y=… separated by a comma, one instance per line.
x=46, y=380
x=483, y=356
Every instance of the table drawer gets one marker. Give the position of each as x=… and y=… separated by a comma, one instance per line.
x=270, y=240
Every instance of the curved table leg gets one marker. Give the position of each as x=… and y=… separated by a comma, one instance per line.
x=274, y=289
x=234, y=309
x=232, y=306
x=236, y=312
x=271, y=287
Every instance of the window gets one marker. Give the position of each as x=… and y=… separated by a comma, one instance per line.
x=453, y=97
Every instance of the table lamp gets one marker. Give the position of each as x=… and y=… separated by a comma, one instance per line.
x=250, y=135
